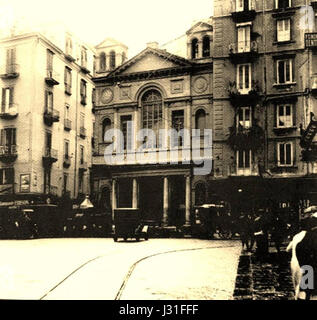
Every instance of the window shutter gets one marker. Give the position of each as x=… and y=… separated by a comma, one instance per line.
x=293, y=110
x=11, y=90
x=13, y=137
x=13, y=55
x=65, y=76
x=2, y=137
x=3, y=99
x=46, y=101
x=8, y=57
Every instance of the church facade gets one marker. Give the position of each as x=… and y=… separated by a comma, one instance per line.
x=156, y=92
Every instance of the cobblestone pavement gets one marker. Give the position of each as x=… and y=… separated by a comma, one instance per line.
x=264, y=278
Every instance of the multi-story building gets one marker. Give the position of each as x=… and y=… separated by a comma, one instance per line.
x=263, y=95
x=155, y=90
x=46, y=117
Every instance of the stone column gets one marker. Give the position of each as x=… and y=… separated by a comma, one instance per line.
x=200, y=49
x=187, y=201
x=165, y=202
x=114, y=197
x=135, y=194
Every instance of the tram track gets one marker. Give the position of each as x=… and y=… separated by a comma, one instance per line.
x=130, y=271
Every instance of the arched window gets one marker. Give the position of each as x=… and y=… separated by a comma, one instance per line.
x=200, y=194
x=194, y=48
x=206, y=46
x=102, y=61
x=152, y=108
x=106, y=125
x=112, y=59
x=200, y=120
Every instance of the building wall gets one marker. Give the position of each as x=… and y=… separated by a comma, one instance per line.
x=31, y=55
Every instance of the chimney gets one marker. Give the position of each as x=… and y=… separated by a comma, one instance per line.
x=152, y=45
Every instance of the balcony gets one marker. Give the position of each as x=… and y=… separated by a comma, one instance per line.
x=283, y=9
x=82, y=132
x=245, y=14
x=69, y=56
x=66, y=163
x=84, y=69
x=8, y=153
x=52, y=78
x=251, y=138
x=244, y=97
x=50, y=156
x=83, y=166
x=10, y=71
x=243, y=51
x=9, y=112
x=51, y=116
x=235, y=171
x=67, y=125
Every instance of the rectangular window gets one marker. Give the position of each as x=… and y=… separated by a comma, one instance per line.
x=11, y=60
x=178, y=125
x=243, y=5
x=282, y=4
x=8, y=137
x=66, y=149
x=68, y=80
x=244, y=78
x=283, y=30
x=82, y=153
x=126, y=129
x=244, y=117
x=6, y=176
x=244, y=159
x=80, y=181
x=82, y=120
x=65, y=183
x=244, y=39
x=48, y=140
x=285, y=154
x=83, y=92
x=48, y=101
x=284, y=116
x=83, y=57
x=7, y=99
x=284, y=71
x=66, y=115
x=69, y=46
x=49, y=60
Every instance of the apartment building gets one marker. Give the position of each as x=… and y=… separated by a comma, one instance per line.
x=155, y=90
x=263, y=96
x=46, y=117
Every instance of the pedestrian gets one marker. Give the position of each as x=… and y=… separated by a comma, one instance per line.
x=278, y=231
x=261, y=234
x=242, y=223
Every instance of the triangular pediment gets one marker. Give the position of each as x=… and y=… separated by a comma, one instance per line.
x=200, y=26
x=109, y=42
x=149, y=60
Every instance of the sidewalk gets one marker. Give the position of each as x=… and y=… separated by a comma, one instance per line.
x=264, y=278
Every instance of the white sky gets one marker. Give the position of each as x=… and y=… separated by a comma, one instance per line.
x=133, y=22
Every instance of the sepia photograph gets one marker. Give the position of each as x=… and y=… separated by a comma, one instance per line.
x=158, y=151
